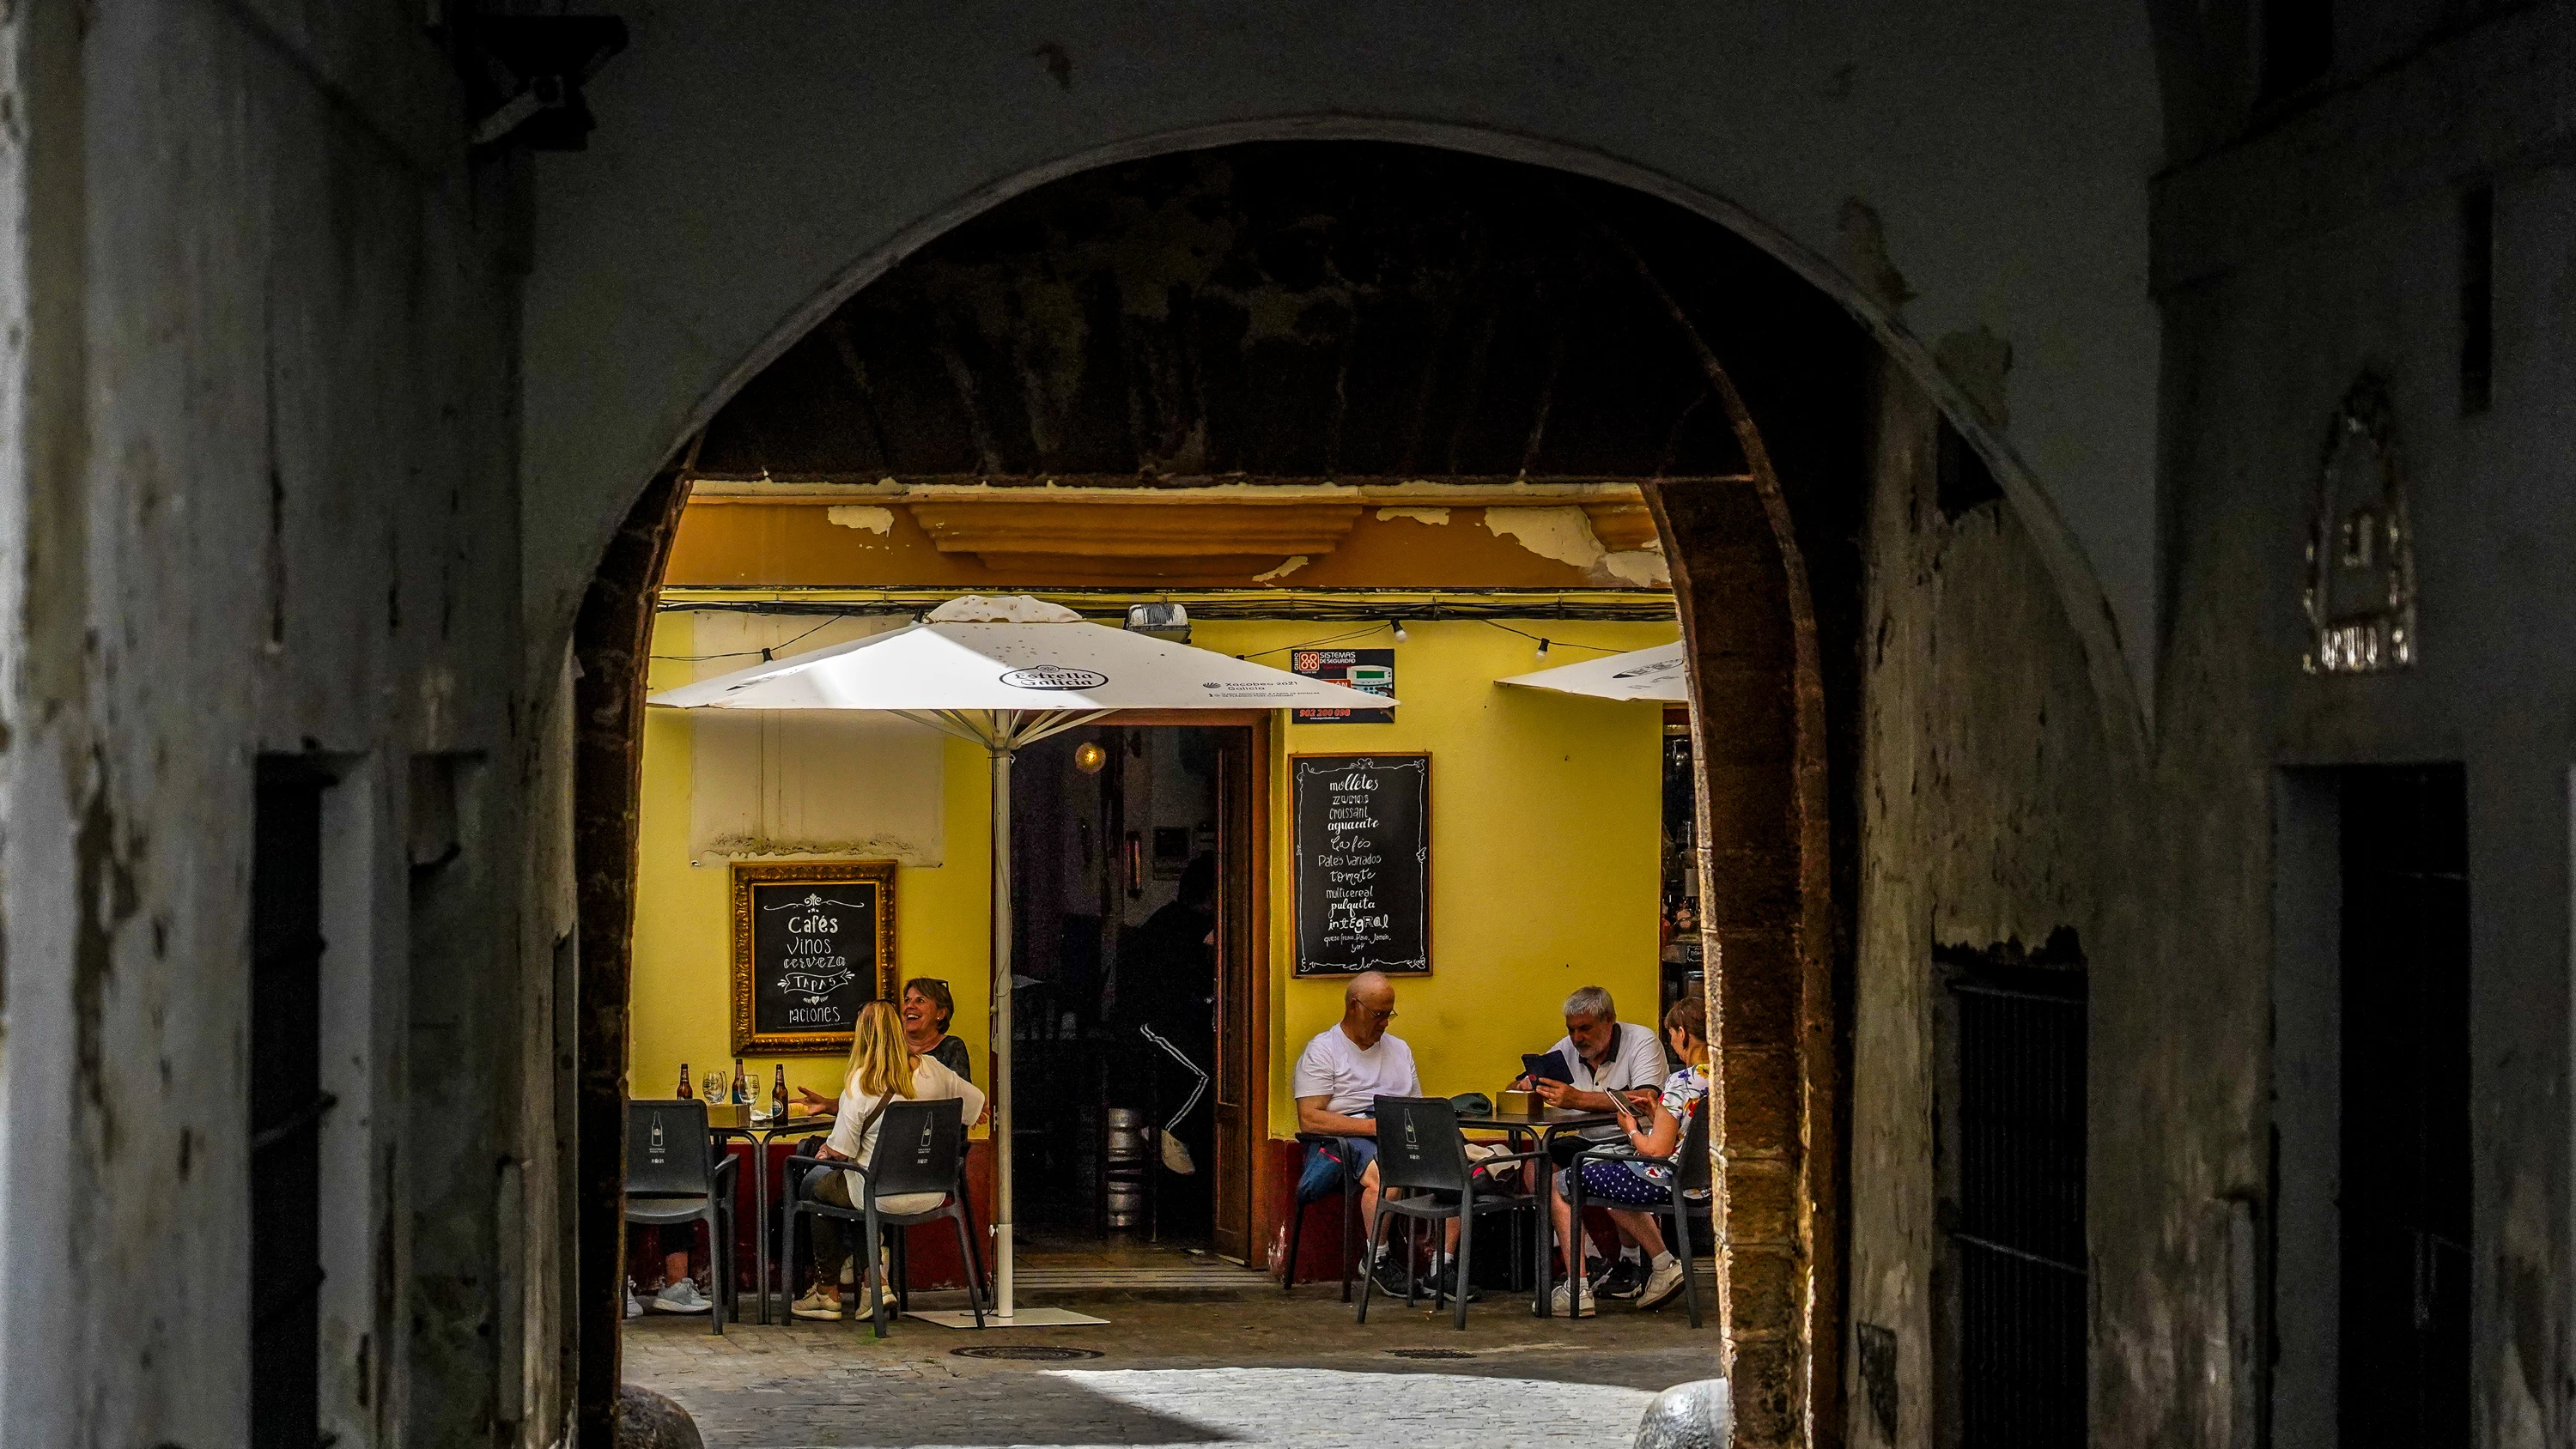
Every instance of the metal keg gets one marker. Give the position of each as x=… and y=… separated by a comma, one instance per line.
x=1128, y=1140
x=1126, y=1203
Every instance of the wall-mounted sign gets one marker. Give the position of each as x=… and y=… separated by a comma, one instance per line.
x=1362, y=836
x=1371, y=671
x=812, y=943
x=2358, y=589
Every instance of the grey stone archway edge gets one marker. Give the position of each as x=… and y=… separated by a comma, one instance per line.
x=636, y=335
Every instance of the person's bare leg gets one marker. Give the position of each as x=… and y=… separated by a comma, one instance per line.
x=1569, y=1248
x=675, y=1268
x=1368, y=1194
x=1640, y=1228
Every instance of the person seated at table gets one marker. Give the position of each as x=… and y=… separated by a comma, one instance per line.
x=1337, y=1082
x=679, y=1292
x=927, y=1007
x=1603, y=1055
x=1632, y=1189
x=882, y=1068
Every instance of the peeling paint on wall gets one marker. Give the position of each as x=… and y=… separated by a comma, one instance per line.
x=1288, y=567
x=1641, y=567
x=1562, y=534
x=879, y=521
x=1432, y=516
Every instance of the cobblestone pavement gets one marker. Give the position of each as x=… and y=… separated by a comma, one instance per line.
x=1182, y=1368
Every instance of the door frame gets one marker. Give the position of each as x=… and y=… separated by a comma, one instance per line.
x=1243, y=1026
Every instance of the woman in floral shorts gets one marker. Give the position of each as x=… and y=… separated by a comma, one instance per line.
x=1631, y=1189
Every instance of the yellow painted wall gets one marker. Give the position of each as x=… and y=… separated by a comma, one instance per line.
x=1544, y=857
x=1545, y=812
x=682, y=991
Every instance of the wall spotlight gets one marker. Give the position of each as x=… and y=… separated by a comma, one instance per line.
x=1089, y=757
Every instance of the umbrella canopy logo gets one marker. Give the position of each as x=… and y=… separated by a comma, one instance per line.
x=1054, y=677
x=1649, y=671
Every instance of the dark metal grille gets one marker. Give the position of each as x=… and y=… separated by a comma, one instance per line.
x=2019, y=1237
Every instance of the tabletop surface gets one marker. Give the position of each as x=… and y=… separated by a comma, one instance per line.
x=1544, y=1117
x=763, y=1124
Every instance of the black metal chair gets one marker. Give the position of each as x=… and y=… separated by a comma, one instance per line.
x=674, y=1175
x=921, y=1147
x=1297, y=1207
x=1692, y=1173
x=1422, y=1155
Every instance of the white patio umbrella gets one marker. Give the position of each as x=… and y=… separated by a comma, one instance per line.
x=1005, y=673
x=1654, y=674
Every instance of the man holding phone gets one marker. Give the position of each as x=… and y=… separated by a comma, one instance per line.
x=1601, y=1055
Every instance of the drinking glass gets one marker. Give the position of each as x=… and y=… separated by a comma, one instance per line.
x=715, y=1086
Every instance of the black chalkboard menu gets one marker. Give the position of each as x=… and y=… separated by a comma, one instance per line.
x=812, y=943
x=1362, y=835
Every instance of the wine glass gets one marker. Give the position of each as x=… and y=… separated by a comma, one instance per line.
x=715, y=1085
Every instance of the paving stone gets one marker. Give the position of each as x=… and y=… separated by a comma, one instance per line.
x=1295, y=1373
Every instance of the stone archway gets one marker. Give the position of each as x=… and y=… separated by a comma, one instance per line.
x=1696, y=357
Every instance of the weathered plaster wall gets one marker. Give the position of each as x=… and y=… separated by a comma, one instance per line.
x=1994, y=805
x=2291, y=264
x=258, y=495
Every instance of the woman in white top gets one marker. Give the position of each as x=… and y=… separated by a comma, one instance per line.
x=882, y=1069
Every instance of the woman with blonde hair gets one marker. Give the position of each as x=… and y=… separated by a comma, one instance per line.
x=883, y=1068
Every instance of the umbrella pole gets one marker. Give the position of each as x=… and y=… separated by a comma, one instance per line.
x=1001, y=1019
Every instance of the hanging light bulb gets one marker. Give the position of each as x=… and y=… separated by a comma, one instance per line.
x=1400, y=635
x=1542, y=651
x=1089, y=757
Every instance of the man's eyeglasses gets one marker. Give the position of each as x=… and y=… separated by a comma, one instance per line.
x=1373, y=1014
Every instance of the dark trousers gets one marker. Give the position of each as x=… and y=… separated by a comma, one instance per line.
x=831, y=1249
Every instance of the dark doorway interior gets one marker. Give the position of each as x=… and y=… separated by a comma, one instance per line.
x=2403, y=1364
x=2015, y=1202
x=286, y=1102
x=1118, y=859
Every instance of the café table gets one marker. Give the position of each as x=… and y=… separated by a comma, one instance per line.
x=1546, y=1124
x=759, y=1133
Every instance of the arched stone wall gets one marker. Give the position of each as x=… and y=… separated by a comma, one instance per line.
x=1970, y=183
x=1613, y=331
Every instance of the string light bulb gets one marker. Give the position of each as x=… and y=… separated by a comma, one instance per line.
x=1089, y=757
x=1400, y=635
x=1542, y=651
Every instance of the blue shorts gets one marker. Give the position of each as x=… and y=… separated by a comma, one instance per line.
x=1322, y=1175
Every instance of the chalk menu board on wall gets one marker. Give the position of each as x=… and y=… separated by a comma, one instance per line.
x=812, y=943
x=1362, y=835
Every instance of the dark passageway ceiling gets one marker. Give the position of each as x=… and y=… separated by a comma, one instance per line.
x=1322, y=309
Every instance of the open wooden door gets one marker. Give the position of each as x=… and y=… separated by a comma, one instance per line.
x=1242, y=998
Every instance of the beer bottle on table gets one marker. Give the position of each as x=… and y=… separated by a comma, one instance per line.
x=741, y=1084
x=778, y=1094
x=684, y=1081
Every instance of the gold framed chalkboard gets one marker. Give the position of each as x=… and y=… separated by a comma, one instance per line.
x=813, y=941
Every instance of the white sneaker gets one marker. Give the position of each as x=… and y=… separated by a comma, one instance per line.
x=818, y=1302
x=1565, y=1305
x=1664, y=1284
x=634, y=1305
x=681, y=1297
x=1176, y=1156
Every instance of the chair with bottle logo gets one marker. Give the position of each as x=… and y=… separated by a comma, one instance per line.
x=674, y=1176
x=920, y=1148
x=1424, y=1176
x=1689, y=1199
